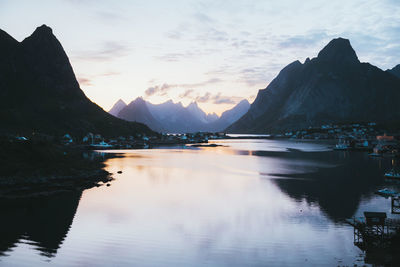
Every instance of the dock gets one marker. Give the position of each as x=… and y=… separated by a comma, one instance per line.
x=396, y=205
x=374, y=230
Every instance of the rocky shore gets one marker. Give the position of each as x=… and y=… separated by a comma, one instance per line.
x=43, y=168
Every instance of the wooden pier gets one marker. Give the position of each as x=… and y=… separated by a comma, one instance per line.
x=374, y=230
x=396, y=205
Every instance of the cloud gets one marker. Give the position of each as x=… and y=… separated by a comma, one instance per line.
x=175, y=57
x=181, y=31
x=109, y=73
x=203, y=99
x=310, y=39
x=109, y=17
x=217, y=99
x=163, y=89
x=87, y=80
x=257, y=75
x=187, y=93
x=213, y=34
x=84, y=81
x=108, y=52
x=203, y=18
x=158, y=90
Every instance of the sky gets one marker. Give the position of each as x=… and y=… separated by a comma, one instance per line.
x=213, y=52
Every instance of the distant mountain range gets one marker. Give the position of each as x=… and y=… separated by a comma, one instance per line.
x=39, y=92
x=334, y=87
x=175, y=118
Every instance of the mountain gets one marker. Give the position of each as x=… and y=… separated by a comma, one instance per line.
x=118, y=106
x=230, y=116
x=211, y=117
x=39, y=92
x=166, y=117
x=175, y=118
x=395, y=71
x=334, y=87
x=197, y=113
x=137, y=111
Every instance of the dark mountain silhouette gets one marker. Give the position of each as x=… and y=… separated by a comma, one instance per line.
x=334, y=87
x=118, y=106
x=39, y=92
x=175, y=118
x=395, y=71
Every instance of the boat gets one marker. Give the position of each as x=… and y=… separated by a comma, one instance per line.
x=392, y=174
x=342, y=145
x=387, y=193
x=102, y=144
x=374, y=154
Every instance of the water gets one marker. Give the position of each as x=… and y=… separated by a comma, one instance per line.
x=247, y=202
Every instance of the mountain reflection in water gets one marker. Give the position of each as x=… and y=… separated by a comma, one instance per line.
x=247, y=202
x=337, y=188
x=43, y=221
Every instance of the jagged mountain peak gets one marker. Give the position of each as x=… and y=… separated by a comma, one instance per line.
x=332, y=88
x=117, y=107
x=243, y=102
x=193, y=104
x=338, y=50
x=175, y=118
x=120, y=101
x=138, y=100
x=42, y=35
x=43, y=30
x=39, y=91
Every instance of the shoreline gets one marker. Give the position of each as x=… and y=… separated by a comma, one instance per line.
x=34, y=169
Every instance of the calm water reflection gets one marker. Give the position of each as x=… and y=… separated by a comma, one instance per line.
x=248, y=202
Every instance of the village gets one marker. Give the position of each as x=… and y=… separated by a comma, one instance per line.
x=96, y=141
x=357, y=136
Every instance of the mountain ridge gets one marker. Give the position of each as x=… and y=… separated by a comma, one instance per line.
x=175, y=118
x=39, y=92
x=334, y=87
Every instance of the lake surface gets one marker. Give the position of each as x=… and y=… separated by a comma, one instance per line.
x=247, y=202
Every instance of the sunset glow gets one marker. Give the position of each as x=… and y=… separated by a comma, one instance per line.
x=204, y=51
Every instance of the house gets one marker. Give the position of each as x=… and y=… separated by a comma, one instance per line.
x=67, y=139
x=385, y=137
x=88, y=138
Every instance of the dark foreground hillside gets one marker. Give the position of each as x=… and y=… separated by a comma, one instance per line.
x=36, y=168
x=39, y=92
